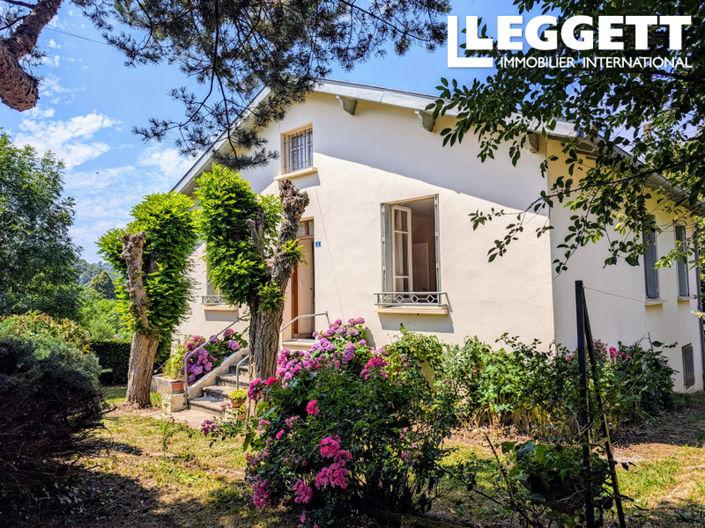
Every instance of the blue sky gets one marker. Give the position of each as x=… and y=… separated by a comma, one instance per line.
x=89, y=103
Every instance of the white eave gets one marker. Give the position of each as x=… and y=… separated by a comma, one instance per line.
x=413, y=101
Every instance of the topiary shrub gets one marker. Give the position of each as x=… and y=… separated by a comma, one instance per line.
x=50, y=401
x=114, y=358
x=340, y=433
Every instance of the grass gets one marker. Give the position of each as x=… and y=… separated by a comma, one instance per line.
x=151, y=472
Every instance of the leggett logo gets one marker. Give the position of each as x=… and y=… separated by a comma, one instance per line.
x=510, y=29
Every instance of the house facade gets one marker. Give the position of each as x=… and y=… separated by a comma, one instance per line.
x=387, y=237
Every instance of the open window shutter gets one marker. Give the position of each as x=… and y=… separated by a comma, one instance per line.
x=437, y=245
x=387, y=272
x=681, y=243
x=651, y=274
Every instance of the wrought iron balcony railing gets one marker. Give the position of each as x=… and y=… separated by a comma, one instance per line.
x=411, y=299
x=211, y=300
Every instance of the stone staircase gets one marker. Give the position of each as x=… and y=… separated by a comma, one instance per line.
x=215, y=396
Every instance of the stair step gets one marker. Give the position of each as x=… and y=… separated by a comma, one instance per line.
x=207, y=403
x=231, y=379
x=244, y=369
x=298, y=344
x=219, y=391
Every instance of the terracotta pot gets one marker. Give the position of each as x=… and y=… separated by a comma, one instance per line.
x=177, y=386
x=236, y=404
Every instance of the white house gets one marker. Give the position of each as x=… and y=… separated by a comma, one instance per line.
x=387, y=237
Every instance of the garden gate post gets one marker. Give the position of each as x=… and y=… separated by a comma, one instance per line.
x=600, y=410
x=584, y=426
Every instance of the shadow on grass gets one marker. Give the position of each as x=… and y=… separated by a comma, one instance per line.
x=96, y=499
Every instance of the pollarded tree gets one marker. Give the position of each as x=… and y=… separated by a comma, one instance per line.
x=152, y=255
x=251, y=251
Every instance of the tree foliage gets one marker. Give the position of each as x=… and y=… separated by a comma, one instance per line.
x=38, y=258
x=171, y=235
x=233, y=49
x=251, y=251
x=103, y=285
x=639, y=124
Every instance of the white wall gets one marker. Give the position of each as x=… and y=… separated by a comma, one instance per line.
x=382, y=155
x=622, y=313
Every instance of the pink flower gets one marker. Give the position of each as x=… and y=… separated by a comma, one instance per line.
x=330, y=446
x=260, y=497
x=290, y=421
x=207, y=427
x=280, y=434
x=228, y=332
x=613, y=352
x=255, y=389
x=303, y=494
x=270, y=381
x=312, y=408
x=302, y=519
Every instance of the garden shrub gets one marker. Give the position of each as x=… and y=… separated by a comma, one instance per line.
x=538, y=391
x=548, y=481
x=38, y=324
x=342, y=431
x=114, y=358
x=50, y=401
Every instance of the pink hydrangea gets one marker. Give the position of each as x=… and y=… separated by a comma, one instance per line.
x=260, y=495
x=312, y=408
x=303, y=493
x=375, y=362
x=255, y=389
x=270, y=381
x=279, y=434
x=290, y=421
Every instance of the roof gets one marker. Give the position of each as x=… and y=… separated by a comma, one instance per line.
x=403, y=99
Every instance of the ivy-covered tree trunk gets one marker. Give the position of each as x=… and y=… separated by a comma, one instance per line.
x=144, y=341
x=266, y=321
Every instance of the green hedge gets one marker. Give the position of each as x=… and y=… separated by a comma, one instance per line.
x=114, y=357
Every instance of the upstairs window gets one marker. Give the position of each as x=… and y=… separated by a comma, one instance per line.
x=410, y=267
x=297, y=149
x=682, y=267
x=650, y=271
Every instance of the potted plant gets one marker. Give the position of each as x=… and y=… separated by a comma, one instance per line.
x=173, y=370
x=237, y=398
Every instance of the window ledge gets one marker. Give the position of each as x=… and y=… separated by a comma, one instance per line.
x=653, y=302
x=684, y=298
x=413, y=310
x=219, y=308
x=296, y=174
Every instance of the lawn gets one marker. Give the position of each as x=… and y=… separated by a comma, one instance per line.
x=150, y=472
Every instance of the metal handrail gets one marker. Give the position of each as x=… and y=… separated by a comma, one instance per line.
x=246, y=357
x=192, y=352
x=304, y=316
x=422, y=298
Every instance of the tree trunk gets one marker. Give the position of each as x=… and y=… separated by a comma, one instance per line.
x=18, y=89
x=139, y=375
x=264, y=341
x=144, y=341
x=265, y=324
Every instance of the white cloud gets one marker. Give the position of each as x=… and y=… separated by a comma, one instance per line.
x=69, y=140
x=170, y=165
x=54, y=61
x=39, y=112
x=52, y=44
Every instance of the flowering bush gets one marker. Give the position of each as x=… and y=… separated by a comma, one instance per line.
x=336, y=434
x=206, y=358
x=538, y=391
x=37, y=324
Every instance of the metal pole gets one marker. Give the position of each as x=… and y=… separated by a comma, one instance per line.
x=600, y=410
x=585, y=432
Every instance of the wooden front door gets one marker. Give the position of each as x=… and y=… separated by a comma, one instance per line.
x=300, y=299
